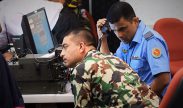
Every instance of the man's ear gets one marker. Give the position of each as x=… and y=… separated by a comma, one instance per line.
x=82, y=47
x=136, y=19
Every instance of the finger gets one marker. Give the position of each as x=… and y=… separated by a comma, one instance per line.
x=101, y=22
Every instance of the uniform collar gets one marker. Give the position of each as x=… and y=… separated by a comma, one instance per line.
x=139, y=33
x=89, y=53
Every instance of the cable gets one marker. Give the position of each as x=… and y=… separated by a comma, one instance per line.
x=99, y=44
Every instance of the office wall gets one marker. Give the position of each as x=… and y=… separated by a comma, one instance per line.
x=152, y=10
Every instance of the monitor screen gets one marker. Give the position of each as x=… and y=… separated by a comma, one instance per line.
x=37, y=34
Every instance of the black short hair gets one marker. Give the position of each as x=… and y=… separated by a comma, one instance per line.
x=118, y=10
x=85, y=34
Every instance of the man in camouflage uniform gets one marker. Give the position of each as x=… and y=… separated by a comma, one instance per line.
x=99, y=80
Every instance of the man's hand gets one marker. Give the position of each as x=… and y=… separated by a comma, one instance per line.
x=8, y=56
x=100, y=24
x=160, y=82
x=102, y=36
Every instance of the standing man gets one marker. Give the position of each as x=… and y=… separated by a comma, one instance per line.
x=100, y=80
x=141, y=47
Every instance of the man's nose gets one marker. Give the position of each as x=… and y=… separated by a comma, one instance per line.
x=62, y=54
x=119, y=34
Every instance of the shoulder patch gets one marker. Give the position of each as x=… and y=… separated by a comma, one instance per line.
x=148, y=35
x=156, y=52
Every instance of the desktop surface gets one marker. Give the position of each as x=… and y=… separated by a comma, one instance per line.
x=49, y=98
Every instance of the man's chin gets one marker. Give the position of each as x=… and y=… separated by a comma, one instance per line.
x=65, y=64
x=126, y=42
x=68, y=65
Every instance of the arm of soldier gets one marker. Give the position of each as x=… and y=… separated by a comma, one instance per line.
x=158, y=60
x=102, y=36
x=81, y=87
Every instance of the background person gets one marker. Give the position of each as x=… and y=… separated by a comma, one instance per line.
x=70, y=17
x=141, y=47
x=11, y=12
x=100, y=80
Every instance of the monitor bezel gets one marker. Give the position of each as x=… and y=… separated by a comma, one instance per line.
x=30, y=44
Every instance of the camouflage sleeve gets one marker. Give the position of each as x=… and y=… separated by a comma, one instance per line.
x=80, y=79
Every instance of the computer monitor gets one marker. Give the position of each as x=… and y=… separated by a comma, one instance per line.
x=36, y=32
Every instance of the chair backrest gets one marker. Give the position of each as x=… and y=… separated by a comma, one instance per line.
x=172, y=31
x=174, y=94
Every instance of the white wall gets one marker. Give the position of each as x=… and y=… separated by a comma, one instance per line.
x=149, y=11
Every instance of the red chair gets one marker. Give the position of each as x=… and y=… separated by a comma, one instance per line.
x=172, y=31
x=174, y=94
x=92, y=24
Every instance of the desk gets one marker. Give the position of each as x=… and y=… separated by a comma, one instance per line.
x=49, y=98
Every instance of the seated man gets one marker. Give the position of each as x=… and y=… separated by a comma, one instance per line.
x=141, y=47
x=100, y=80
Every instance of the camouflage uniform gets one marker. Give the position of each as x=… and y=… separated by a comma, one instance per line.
x=103, y=81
